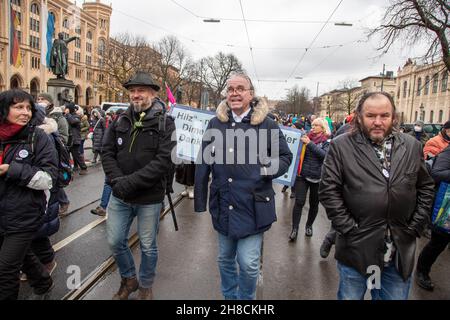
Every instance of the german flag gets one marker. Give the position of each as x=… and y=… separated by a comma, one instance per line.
x=16, y=57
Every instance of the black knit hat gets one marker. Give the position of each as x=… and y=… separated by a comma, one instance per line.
x=447, y=125
x=141, y=79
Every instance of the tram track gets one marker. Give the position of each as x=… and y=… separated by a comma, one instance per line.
x=103, y=269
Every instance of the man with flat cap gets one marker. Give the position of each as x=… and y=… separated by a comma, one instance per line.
x=136, y=160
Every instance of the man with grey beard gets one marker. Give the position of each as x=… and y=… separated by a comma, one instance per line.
x=378, y=195
x=136, y=160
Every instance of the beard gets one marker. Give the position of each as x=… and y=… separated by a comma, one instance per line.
x=377, y=138
x=140, y=106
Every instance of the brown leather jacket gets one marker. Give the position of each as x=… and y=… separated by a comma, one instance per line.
x=361, y=202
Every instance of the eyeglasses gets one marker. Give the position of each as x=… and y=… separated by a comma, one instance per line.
x=238, y=90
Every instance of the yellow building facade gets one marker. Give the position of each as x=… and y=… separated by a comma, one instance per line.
x=423, y=93
x=91, y=23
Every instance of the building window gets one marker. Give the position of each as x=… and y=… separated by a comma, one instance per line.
x=79, y=73
x=78, y=43
x=427, y=85
x=422, y=116
x=405, y=87
x=444, y=82
x=34, y=25
x=34, y=42
x=101, y=47
x=419, y=86
x=89, y=35
x=89, y=47
x=19, y=36
x=415, y=116
x=35, y=62
x=65, y=23
x=435, y=82
x=88, y=60
x=78, y=30
x=16, y=2
x=431, y=116
x=34, y=8
x=77, y=56
x=89, y=75
x=441, y=116
x=65, y=35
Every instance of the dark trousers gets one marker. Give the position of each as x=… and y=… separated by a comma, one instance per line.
x=301, y=189
x=77, y=158
x=62, y=197
x=431, y=251
x=15, y=254
x=43, y=249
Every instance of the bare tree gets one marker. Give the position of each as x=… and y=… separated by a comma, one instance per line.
x=172, y=67
x=123, y=56
x=216, y=71
x=417, y=21
x=193, y=86
x=349, y=96
x=297, y=101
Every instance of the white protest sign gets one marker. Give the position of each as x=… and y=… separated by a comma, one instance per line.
x=293, y=140
x=191, y=124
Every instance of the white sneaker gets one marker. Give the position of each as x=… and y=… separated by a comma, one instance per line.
x=191, y=194
x=184, y=193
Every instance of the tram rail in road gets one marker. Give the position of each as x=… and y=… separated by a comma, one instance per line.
x=92, y=279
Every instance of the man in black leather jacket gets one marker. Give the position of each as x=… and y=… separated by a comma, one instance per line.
x=378, y=195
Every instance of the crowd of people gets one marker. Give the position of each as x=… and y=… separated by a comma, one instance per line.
x=376, y=184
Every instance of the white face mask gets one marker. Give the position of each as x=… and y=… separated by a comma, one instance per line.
x=417, y=129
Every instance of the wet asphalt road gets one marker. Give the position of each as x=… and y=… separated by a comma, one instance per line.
x=187, y=268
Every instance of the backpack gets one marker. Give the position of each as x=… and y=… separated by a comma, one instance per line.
x=65, y=172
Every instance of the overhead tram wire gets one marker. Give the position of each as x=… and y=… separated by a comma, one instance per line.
x=253, y=20
x=249, y=43
x=228, y=44
x=314, y=40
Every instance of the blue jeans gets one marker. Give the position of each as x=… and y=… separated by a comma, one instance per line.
x=106, y=194
x=353, y=285
x=247, y=252
x=120, y=217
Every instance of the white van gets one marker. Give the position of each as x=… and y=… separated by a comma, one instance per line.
x=117, y=105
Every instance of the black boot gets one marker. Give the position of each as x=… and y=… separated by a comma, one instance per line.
x=424, y=281
x=293, y=235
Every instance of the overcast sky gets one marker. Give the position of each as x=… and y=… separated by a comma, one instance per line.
x=278, y=47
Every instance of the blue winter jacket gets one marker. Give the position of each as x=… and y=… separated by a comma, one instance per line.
x=241, y=201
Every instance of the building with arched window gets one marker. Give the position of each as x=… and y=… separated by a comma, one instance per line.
x=431, y=101
x=91, y=23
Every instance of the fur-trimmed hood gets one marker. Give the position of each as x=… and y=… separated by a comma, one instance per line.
x=259, y=106
x=56, y=110
x=49, y=126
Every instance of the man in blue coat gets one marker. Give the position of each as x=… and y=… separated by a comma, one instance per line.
x=244, y=150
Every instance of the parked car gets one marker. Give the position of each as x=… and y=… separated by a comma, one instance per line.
x=114, y=109
x=432, y=129
x=118, y=105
